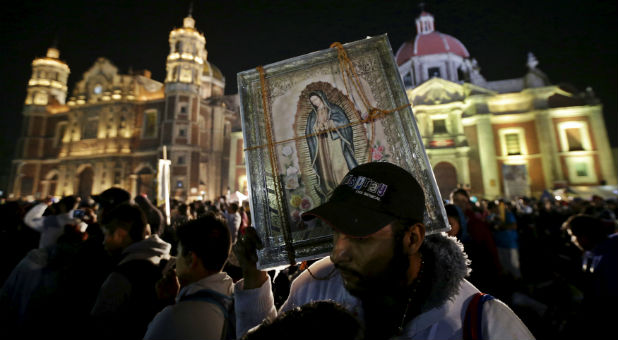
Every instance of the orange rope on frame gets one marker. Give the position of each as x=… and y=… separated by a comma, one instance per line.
x=346, y=67
x=275, y=168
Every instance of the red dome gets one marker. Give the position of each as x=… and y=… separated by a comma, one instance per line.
x=431, y=43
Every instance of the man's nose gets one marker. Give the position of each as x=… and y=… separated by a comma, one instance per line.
x=341, y=249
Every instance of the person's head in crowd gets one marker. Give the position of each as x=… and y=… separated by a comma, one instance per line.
x=578, y=205
x=612, y=205
x=460, y=198
x=203, y=248
x=67, y=204
x=73, y=234
x=546, y=205
x=153, y=214
x=335, y=322
x=454, y=219
x=201, y=210
x=492, y=206
x=597, y=201
x=109, y=199
x=233, y=208
x=122, y=226
x=183, y=209
x=586, y=231
x=378, y=245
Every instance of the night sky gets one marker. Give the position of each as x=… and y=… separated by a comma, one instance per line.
x=574, y=41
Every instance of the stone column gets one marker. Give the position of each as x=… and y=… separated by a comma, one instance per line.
x=552, y=171
x=463, y=166
x=37, y=181
x=133, y=184
x=487, y=155
x=458, y=128
x=60, y=184
x=597, y=124
x=45, y=188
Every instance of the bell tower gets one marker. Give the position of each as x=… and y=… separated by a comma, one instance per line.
x=43, y=124
x=185, y=62
x=48, y=83
x=180, y=125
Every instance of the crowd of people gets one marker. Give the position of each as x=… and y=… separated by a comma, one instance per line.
x=110, y=266
x=528, y=252
x=92, y=267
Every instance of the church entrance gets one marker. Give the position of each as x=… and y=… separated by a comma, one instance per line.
x=86, y=178
x=446, y=177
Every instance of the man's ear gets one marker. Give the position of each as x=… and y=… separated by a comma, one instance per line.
x=195, y=260
x=121, y=233
x=414, y=237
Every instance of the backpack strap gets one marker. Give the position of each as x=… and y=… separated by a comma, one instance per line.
x=473, y=326
x=225, y=304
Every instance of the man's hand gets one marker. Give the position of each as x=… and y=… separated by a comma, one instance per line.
x=90, y=215
x=167, y=287
x=245, y=249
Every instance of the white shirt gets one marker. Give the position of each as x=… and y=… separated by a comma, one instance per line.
x=255, y=305
x=192, y=319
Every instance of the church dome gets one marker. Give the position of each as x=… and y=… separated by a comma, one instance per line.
x=210, y=70
x=428, y=42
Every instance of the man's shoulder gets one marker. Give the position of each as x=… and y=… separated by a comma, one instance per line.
x=186, y=320
x=321, y=279
x=320, y=269
x=130, y=266
x=139, y=272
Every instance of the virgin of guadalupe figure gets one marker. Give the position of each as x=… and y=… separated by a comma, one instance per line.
x=330, y=137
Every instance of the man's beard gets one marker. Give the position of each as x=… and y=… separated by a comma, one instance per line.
x=391, y=281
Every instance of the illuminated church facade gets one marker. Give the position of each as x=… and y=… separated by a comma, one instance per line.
x=502, y=138
x=499, y=138
x=115, y=127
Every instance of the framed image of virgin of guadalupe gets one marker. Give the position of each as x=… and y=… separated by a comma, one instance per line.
x=306, y=122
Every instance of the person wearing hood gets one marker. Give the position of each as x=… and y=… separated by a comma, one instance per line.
x=127, y=300
x=383, y=268
x=202, y=305
x=51, y=225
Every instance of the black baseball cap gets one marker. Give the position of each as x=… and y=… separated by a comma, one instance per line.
x=371, y=196
x=112, y=197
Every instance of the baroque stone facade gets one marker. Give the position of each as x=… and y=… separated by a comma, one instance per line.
x=113, y=129
x=500, y=138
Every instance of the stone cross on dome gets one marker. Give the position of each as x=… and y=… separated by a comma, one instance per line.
x=533, y=62
x=189, y=22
